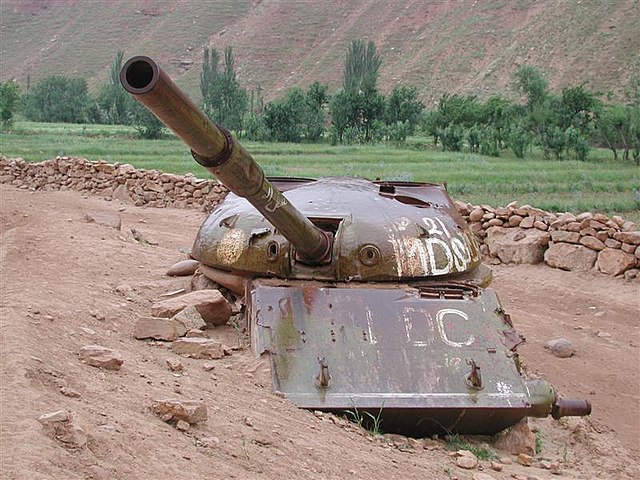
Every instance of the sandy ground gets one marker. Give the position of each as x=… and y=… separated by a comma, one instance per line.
x=59, y=279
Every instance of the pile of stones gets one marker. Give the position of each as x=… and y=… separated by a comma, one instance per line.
x=525, y=234
x=114, y=181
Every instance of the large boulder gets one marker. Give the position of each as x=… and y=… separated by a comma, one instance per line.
x=513, y=245
x=210, y=304
x=518, y=439
x=614, y=261
x=568, y=256
x=101, y=357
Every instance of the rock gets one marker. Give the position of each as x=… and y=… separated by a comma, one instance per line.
x=611, y=243
x=200, y=282
x=505, y=460
x=507, y=245
x=514, y=220
x=562, y=348
x=555, y=468
x=482, y=476
x=69, y=392
x=468, y=462
x=636, y=252
x=628, y=226
x=188, y=319
x=62, y=426
x=208, y=366
x=631, y=273
x=573, y=227
x=527, y=222
x=628, y=248
x=124, y=289
x=592, y=242
x=190, y=411
x=545, y=465
x=101, y=357
x=183, y=426
x=564, y=236
x=541, y=226
x=198, y=348
x=156, y=328
x=195, y=333
x=496, y=466
x=121, y=193
x=517, y=439
x=183, y=268
x=476, y=215
x=208, y=442
x=630, y=237
x=525, y=460
x=174, y=365
x=615, y=262
x=570, y=257
x=584, y=216
x=494, y=222
x=210, y=304
x=108, y=219
x=140, y=238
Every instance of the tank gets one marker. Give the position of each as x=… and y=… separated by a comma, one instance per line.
x=364, y=295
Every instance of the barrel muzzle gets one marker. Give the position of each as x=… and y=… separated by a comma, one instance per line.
x=570, y=407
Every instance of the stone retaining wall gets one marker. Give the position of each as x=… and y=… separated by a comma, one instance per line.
x=511, y=234
x=114, y=181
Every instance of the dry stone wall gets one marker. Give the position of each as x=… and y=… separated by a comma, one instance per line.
x=525, y=234
x=114, y=181
x=511, y=234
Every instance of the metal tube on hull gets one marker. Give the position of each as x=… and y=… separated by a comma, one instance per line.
x=214, y=148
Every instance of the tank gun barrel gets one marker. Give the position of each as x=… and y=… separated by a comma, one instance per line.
x=213, y=147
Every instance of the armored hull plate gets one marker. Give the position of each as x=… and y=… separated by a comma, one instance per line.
x=405, y=352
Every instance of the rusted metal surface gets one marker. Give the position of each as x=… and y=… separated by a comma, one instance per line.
x=418, y=358
x=215, y=149
x=376, y=236
x=570, y=407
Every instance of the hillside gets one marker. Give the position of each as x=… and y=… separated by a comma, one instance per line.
x=438, y=45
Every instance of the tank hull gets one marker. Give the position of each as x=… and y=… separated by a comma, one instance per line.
x=405, y=353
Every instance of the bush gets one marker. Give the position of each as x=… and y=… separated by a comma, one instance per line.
x=518, y=139
x=452, y=138
x=578, y=143
x=397, y=132
x=256, y=129
x=9, y=98
x=489, y=142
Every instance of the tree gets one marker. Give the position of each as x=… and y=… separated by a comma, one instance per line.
x=579, y=107
x=59, y=99
x=223, y=99
x=145, y=122
x=358, y=105
x=403, y=107
x=532, y=84
x=284, y=117
x=9, y=98
x=115, y=103
x=298, y=115
x=315, y=117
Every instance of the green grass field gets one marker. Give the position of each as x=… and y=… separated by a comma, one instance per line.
x=599, y=184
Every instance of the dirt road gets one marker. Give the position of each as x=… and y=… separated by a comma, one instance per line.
x=60, y=279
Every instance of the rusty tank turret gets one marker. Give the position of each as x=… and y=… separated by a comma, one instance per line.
x=363, y=294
